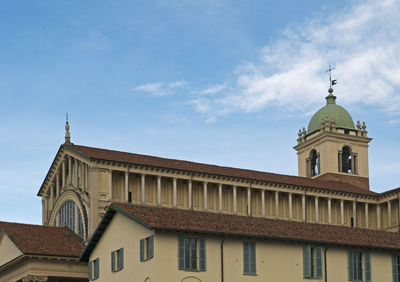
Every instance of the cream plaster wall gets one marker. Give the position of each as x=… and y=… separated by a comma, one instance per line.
x=123, y=232
x=8, y=250
x=275, y=261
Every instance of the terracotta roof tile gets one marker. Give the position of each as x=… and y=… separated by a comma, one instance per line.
x=43, y=240
x=244, y=226
x=117, y=156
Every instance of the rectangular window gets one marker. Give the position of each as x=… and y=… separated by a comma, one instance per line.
x=191, y=254
x=396, y=268
x=312, y=262
x=94, y=269
x=249, y=258
x=147, y=248
x=117, y=260
x=359, y=266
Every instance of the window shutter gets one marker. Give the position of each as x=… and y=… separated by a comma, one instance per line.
x=121, y=258
x=367, y=266
x=202, y=254
x=96, y=268
x=246, y=264
x=90, y=270
x=395, y=269
x=181, y=253
x=151, y=246
x=142, y=250
x=350, y=266
x=113, y=261
x=318, y=262
x=306, y=261
x=253, y=258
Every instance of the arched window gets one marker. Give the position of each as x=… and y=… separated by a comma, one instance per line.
x=69, y=216
x=314, y=163
x=347, y=160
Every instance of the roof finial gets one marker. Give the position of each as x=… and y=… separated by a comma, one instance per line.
x=331, y=82
x=67, y=135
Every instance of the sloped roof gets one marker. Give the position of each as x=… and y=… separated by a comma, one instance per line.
x=43, y=240
x=130, y=158
x=168, y=219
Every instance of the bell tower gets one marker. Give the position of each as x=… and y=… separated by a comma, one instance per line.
x=332, y=148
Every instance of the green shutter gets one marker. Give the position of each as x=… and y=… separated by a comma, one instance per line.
x=96, y=268
x=395, y=268
x=142, y=250
x=151, y=246
x=121, y=258
x=246, y=258
x=113, y=261
x=253, y=258
x=318, y=262
x=367, y=266
x=202, y=254
x=181, y=253
x=90, y=270
x=307, y=261
x=350, y=265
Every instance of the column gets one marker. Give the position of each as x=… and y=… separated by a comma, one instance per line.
x=110, y=185
x=46, y=208
x=86, y=168
x=174, y=195
x=277, y=204
x=316, y=210
x=303, y=207
x=159, y=190
x=290, y=206
x=205, y=198
x=341, y=212
x=76, y=166
x=354, y=214
x=57, y=185
x=366, y=216
x=398, y=212
x=51, y=196
x=220, y=209
x=389, y=206
x=69, y=170
x=234, y=200
x=190, y=200
x=378, y=216
x=63, y=183
x=249, y=200
x=263, y=203
x=127, y=186
x=143, y=187
x=329, y=211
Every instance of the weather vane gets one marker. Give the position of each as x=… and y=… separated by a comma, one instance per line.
x=332, y=82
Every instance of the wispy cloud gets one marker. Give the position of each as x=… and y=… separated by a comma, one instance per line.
x=159, y=88
x=362, y=41
x=212, y=89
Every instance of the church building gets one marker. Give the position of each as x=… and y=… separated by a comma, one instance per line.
x=145, y=218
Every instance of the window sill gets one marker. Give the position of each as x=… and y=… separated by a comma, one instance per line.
x=250, y=274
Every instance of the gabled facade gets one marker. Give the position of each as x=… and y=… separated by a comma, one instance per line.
x=193, y=246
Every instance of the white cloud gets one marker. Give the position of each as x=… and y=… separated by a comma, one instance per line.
x=212, y=89
x=159, y=88
x=362, y=41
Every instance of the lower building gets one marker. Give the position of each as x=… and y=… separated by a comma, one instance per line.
x=164, y=244
x=34, y=253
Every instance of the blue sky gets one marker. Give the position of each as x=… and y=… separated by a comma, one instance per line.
x=222, y=82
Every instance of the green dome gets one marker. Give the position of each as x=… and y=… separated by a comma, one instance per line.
x=342, y=117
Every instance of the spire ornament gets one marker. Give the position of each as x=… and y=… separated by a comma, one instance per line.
x=67, y=134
